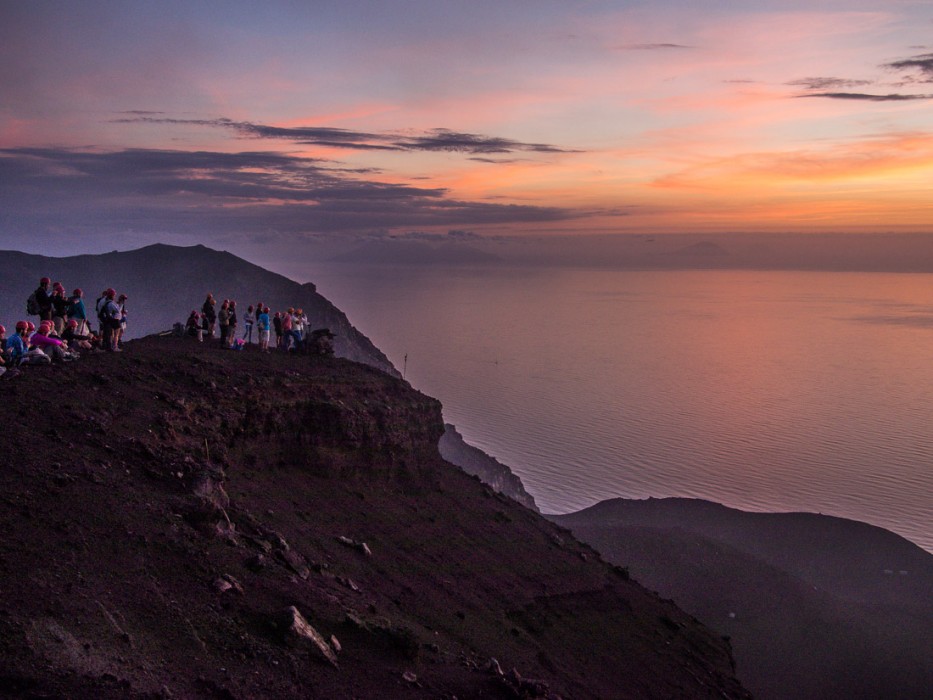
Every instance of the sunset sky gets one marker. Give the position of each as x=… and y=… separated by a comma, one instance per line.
x=234, y=123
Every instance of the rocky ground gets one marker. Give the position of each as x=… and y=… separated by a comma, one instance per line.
x=183, y=521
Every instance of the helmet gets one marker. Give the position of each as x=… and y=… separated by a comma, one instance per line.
x=30, y=326
x=78, y=293
x=58, y=285
x=22, y=326
x=2, y=329
x=110, y=292
x=72, y=323
x=123, y=297
x=45, y=280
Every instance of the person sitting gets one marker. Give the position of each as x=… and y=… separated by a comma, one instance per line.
x=75, y=339
x=193, y=326
x=16, y=346
x=44, y=341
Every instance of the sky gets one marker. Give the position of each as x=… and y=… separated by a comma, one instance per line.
x=279, y=124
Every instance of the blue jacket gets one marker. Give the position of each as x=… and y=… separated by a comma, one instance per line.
x=263, y=319
x=16, y=346
x=77, y=309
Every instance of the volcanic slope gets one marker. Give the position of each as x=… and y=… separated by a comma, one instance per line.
x=169, y=511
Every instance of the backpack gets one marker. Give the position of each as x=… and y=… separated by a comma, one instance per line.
x=103, y=313
x=32, y=305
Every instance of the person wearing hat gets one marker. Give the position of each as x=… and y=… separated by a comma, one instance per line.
x=15, y=345
x=60, y=305
x=262, y=320
x=121, y=329
x=51, y=346
x=44, y=299
x=74, y=338
x=77, y=311
x=108, y=313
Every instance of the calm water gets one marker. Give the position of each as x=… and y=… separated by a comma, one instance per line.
x=771, y=391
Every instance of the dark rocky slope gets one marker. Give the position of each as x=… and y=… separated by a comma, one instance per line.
x=816, y=606
x=167, y=511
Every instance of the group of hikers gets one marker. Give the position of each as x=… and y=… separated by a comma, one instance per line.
x=63, y=328
x=292, y=328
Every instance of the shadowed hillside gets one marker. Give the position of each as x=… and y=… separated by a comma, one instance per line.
x=816, y=606
x=164, y=283
x=183, y=521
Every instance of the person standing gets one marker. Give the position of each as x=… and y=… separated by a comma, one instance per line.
x=223, y=320
x=109, y=316
x=60, y=306
x=248, y=319
x=262, y=320
x=209, y=315
x=121, y=303
x=78, y=312
x=231, y=324
x=44, y=299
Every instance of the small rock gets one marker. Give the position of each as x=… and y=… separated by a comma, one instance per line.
x=335, y=644
x=361, y=546
x=410, y=677
x=495, y=668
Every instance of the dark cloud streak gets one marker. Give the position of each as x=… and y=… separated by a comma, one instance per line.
x=867, y=97
x=433, y=140
x=206, y=194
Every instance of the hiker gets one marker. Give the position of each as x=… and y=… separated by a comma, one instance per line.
x=193, y=326
x=40, y=303
x=75, y=339
x=223, y=319
x=231, y=324
x=262, y=320
x=78, y=312
x=51, y=346
x=277, y=325
x=108, y=313
x=121, y=329
x=60, y=306
x=16, y=346
x=2, y=350
x=248, y=319
x=287, y=329
x=209, y=315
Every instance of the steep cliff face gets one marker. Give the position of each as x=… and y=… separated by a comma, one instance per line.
x=182, y=521
x=487, y=469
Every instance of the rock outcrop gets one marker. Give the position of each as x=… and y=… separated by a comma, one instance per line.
x=487, y=469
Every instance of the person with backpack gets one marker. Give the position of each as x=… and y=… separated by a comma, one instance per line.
x=78, y=312
x=223, y=320
x=108, y=313
x=39, y=302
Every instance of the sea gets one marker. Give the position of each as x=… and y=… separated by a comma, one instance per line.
x=763, y=390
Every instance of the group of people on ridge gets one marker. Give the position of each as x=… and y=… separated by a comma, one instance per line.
x=63, y=328
x=292, y=328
